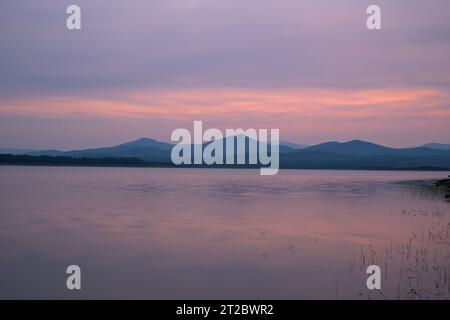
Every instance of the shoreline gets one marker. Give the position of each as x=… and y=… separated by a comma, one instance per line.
x=242, y=167
x=443, y=185
x=64, y=161
x=165, y=162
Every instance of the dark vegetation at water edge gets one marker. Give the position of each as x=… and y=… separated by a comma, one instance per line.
x=46, y=160
x=9, y=159
x=430, y=189
x=445, y=186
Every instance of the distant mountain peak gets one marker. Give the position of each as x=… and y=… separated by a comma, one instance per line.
x=147, y=142
x=359, y=142
x=142, y=141
x=349, y=147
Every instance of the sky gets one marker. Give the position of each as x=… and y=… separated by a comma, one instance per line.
x=143, y=68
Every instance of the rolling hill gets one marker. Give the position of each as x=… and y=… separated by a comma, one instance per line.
x=439, y=146
x=145, y=149
x=355, y=154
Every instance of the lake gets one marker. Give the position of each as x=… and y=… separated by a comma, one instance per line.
x=221, y=233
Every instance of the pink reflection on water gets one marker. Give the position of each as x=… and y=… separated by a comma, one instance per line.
x=204, y=233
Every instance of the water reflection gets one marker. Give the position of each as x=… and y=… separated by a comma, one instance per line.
x=199, y=233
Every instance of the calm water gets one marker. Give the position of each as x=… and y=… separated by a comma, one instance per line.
x=206, y=233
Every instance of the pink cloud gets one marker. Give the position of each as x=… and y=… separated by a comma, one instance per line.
x=301, y=113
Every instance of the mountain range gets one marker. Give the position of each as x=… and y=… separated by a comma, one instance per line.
x=355, y=154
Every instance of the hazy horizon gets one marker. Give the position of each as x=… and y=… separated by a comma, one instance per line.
x=169, y=142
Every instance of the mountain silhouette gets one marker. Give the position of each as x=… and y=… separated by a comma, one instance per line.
x=439, y=146
x=145, y=149
x=359, y=147
x=354, y=154
x=14, y=151
x=292, y=145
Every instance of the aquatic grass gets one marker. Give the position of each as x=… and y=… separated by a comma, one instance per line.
x=418, y=266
